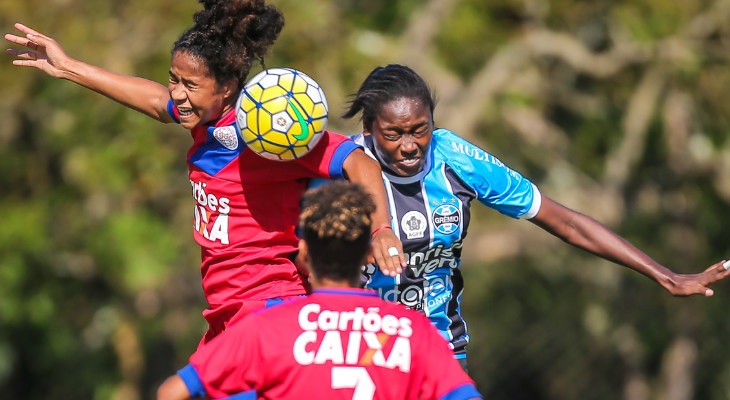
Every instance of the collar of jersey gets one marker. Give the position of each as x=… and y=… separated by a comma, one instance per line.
x=229, y=118
x=403, y=179
x=346, y=290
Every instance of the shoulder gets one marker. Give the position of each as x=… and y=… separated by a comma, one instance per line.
x=458, y=153
x=333, y=138
x=448, y=142
x=358, y=138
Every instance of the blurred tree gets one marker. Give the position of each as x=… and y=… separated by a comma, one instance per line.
x=615, y=108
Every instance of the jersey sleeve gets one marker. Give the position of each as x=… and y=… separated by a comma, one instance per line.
x=443, y=377
x=173, y=111
x=495, y=184
x=328, y=156
x=209, y=374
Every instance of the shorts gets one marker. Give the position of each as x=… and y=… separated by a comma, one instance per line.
x=220, y=318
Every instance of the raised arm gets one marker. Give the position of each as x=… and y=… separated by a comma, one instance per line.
x=44, y=53
x=173, y=389
x=586, y=233
x=360, y=168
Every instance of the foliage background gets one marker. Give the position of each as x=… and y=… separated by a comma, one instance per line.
x=615, y=108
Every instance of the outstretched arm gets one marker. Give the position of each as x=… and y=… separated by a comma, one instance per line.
x=44, y=53
x=360, y=168
x=586, y=233
x=173, y=389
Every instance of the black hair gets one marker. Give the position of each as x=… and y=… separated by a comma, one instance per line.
x=385, y=84
x=228, y=35
x=335, y=223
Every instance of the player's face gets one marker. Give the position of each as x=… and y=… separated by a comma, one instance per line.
x=194, y=91
x=402, y=132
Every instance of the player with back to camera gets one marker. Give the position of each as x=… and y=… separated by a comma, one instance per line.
x=432, y=175
x=247, y=207
x=340, y=342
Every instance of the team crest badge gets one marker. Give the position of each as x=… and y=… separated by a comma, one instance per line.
x=226, y=135
x=413, y=224
x=446, y=219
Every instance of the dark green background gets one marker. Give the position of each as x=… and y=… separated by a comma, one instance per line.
x=616, y=108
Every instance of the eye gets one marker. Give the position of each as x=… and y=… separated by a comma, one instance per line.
x=191, y=85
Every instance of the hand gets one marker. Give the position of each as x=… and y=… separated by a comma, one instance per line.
x=44, y=53
x=382, y=241
x=689, y=284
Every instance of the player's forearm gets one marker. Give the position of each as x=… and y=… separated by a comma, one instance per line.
x=140, y=94
x=365, y=171
x=599, y=240
x=588, y=234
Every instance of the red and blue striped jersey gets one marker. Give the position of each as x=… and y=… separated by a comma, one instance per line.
x=247, y=209
x=337, y=343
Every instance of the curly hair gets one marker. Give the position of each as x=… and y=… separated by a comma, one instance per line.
x=228, y=35
x=335, y=223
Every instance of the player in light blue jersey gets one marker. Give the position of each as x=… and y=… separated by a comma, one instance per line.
x=432, y=175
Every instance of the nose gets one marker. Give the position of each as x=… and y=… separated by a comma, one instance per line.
x=408, y=145
x=176, y=92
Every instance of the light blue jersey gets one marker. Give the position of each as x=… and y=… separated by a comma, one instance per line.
x=431, y=212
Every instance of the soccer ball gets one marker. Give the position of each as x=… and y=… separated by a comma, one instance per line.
x=281, y=113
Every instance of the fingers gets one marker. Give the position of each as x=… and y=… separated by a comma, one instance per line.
x=25, y=54
x=387, y=252
x=388, y=259
x=698, y=284
x=15, y=39
x=27, y=30
x=32, y=39
x=719, y=270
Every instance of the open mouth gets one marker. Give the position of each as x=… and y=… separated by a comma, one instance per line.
x=410, y=162
x=408, y=166
x=184, y=112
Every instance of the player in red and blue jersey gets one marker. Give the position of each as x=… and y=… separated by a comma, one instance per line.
x=246, y=206
x=245, y=215
x=341, y=342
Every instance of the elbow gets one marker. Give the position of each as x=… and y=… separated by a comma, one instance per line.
x=172, y=389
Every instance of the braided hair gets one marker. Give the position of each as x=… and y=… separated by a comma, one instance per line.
x=385, y=84
x=335, y=223
x=228, y=35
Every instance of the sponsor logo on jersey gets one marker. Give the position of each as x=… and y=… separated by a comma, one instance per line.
x=358, y=337
x=446, y=218
x=421, y=263
x=428, y=296
x=414, y=224
x=425, y=262
x=226, y=135
x=211, y=214
x=475, y=153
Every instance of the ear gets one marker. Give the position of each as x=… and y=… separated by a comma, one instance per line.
x=304, y=251
x=230, y=88
x=303, y=257
x=365, y=130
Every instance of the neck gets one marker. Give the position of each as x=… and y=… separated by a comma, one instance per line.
x=326, y=283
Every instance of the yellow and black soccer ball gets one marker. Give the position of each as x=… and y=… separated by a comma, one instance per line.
x=281, y=113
